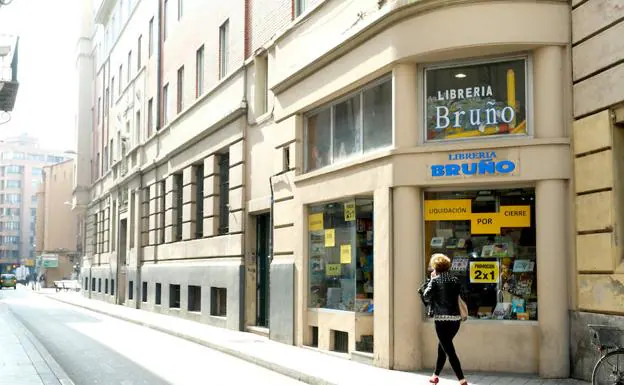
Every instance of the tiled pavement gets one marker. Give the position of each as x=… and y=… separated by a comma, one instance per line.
x=305, y=364
x=23, y=361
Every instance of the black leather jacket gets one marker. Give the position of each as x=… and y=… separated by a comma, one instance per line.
x=441, y=294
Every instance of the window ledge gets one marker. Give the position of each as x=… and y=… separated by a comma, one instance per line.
x=219, y=317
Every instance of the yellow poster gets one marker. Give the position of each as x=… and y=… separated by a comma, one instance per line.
x=333, y=269
x=515, y=216
x=315, y=222
x=448, y=210
x=349, y=211
x=345, y=253
x=484, y=272
x=330, y=238
x=485, y=223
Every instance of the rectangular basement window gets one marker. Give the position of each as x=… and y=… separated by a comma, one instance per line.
x=157, y=299
x=194, y=298
x=144, y=292
x=112, y=287
x=218, y=301
x=174, y=296
x=131, y=290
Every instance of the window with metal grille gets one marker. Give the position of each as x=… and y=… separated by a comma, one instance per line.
x=194, y=298
x=158, y=294
x=174, y=296
x=199, y=201
x=218, y=301
x=224, y=193
x=178, y=206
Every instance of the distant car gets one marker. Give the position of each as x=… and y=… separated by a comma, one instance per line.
x=8, y=280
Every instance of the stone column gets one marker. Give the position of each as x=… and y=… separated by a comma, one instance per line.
x=548, y=92
x=405, y=97
x=551, y=205
x=170, y=209
x=152, y=213
x=408, y=274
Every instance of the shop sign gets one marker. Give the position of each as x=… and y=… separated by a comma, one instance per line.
x=315, y=222
x=330, y=238
x=481, y=163
x=345, y=253
x=333, y=269
x=349, y=211
x=484, y=272
x=448, y=210
x=480, y=223
x=49, y=260
x=476, y=100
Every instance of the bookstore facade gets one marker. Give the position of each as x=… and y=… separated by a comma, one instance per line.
x=485, y=181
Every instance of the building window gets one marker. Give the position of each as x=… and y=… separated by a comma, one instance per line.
x=112, y=94
x=14, y=169
x=341, y=255
x=131, y=290
x=300, y=7
x=224, y=36
x=144, y=292
x=112, y=289
x=476, y=99
x=150, y=38
x=194, y=298
x=12, y=183
x=224, y=193
x=99, y=285
x=106, y=286
x=174, y=296
x=166, y=20
x=180, y=96
x=490, y=237
x=199, y=72
x=179, y=185
x=161, y=224
x=120, y=79
x=99, y=110
x=150, y=117
x=139, y=52
x=199, y=201
x=107, y=101
x=218, y=301
x=92, y=284
x=360, y=123
x=180, y=9
x=137, y=133
x=129, y=75
x=166, y=103
x=158, y=294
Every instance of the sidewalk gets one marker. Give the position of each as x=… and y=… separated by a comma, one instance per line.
x=305, y=364
x=23, y=361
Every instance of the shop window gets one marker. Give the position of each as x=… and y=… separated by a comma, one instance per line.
x=476, y=99
x=174, y=296
x=158, y=294
x=357, y=124
x=194, y=298
x=490, y=237
x=341, y=255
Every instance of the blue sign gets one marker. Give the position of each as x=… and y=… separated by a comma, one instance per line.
x=475, y=163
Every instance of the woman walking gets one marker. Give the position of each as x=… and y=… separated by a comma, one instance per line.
x=443, y=293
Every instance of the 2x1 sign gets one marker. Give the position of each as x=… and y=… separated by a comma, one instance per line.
x=484, y=272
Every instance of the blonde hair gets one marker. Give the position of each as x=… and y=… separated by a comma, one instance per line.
x=440, y=262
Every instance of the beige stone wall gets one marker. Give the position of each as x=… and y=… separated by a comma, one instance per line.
x=598, y=50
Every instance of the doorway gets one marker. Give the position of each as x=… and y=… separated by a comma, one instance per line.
x=263, y=238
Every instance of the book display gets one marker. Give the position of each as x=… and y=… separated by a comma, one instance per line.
x=497, y=267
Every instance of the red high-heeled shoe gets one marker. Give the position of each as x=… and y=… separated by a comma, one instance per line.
x=434, y=379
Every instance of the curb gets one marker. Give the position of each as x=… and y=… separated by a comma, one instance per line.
x=272, y=366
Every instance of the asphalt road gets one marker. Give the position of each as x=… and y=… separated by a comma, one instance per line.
x=96, y=349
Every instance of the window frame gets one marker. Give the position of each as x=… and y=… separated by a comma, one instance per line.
x=360, y=93
x=200, y=58
x=150, y=47
x=300, y=7
x=528, y=86
x=224, y=52
x=180, y=90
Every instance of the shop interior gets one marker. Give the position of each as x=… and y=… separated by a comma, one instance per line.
x=496, y=266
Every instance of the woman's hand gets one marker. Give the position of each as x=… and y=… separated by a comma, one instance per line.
x=434, y=274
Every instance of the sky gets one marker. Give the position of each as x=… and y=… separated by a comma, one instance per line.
x=46, y=99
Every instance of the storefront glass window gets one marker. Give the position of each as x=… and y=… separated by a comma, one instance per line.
x=476, y=100
x=490, y=237
x=341, y=255
x=350, y=127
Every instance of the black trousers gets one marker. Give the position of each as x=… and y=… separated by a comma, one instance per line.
x=446, y=331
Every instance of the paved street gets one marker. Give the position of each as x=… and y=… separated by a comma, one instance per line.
x=93, y=348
